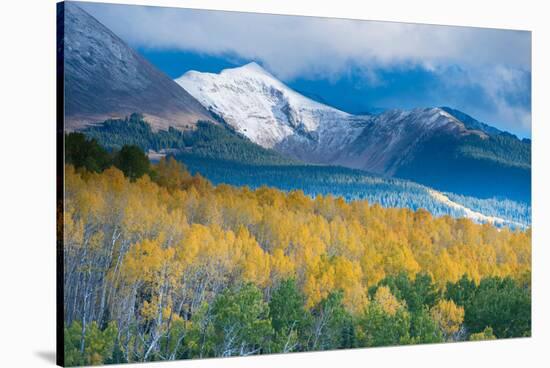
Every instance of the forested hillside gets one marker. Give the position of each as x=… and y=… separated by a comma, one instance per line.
x=352, y=185
x=207, y=140
x=496, y=166
x=223, y=156
x=162, y=265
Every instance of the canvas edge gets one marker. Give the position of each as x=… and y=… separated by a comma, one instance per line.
x=60, y=76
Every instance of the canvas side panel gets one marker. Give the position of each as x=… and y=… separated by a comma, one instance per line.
x=60, y=355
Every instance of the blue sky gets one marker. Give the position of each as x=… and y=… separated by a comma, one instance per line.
x=356, y=66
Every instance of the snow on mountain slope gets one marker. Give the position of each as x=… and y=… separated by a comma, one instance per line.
x=267, y=111
x=474, y=215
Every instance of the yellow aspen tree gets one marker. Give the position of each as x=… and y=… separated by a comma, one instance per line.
x=448, y=316
x=387, y=301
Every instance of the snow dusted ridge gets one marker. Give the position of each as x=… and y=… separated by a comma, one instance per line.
x=267, y=111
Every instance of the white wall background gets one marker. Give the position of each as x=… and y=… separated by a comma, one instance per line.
x=27, y=180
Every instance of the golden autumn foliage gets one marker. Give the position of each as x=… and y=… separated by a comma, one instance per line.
x=387, y=301
x=188, y=232
x=448, y=316
x=486, y=334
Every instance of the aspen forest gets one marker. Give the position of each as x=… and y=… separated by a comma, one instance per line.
x=160, y=264
x=227, y=193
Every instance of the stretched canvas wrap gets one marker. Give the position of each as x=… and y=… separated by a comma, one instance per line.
x=232, y=184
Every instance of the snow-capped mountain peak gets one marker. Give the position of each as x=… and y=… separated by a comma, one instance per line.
x=263, y=108
x=252, y=67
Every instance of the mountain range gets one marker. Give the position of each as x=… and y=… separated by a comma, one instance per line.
x=438, y=146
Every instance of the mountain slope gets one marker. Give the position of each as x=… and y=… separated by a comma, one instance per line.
x=207, y=140
x=498, y=166
x=391, y=139
x=440, y=147
x=470, y=122
x=104, y=78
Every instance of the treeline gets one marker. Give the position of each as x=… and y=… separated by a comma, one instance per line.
x=504, y=148
x=497, y=166
x=163, y=265
x=206, y=140
x=82, y=152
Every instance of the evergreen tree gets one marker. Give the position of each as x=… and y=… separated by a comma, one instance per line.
x=132, y=161
x=289, y=318
x=85, y=153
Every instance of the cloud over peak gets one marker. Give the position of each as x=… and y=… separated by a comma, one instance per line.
x=308, y=47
